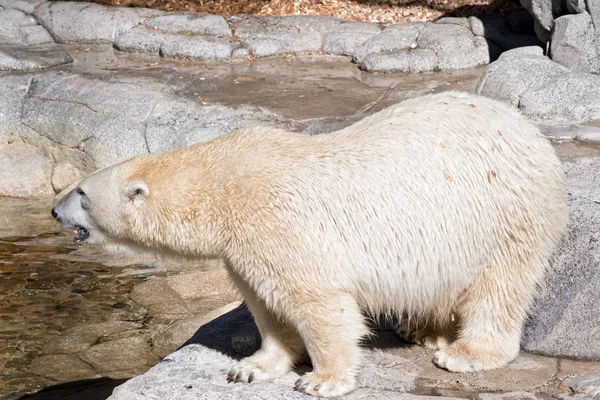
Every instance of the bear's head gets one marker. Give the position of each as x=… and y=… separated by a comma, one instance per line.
x=149, y=204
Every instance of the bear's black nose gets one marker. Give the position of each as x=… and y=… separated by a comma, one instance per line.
x=54, y=214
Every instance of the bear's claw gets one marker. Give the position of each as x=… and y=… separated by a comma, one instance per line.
x=324, y=385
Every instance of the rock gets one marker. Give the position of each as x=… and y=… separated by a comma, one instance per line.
x=390, y=368
x=130, y=353
x=61, y=367
x=89, y=23
x=394, y=37
x=24, y=172
x=81, y=337
x=64, y=174
x=421, y=47
x=454, y=46
x=588, y=384
x=344, y=43
x=14, y=89
x=565, y=321
x=177, y=296
x=268, y=36
x=570, y=98
x=516, y=72
x=167, y=338
x=191, y=22
x=32, y=57
x=10, y=26
x=573, y=43
x=26, y=6
x=174, y=45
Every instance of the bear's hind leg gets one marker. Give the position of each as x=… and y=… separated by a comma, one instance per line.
x=281, y=346
x=425, y=333
x=331, y=330
x=491, y=315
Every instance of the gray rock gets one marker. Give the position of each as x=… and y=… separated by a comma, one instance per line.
x=24, y=172
x=394, y=37
x=344, y=43
x=14, y=89
x=64, y=174
x=422, y=47
x=35, y=35
x=565, y=322
x=197, y=47
x=588, y=384
x=174, y=45
x=515, y=72
x=32, y=57
x=191, y=22
x=454, y=46
x=27, y=6
x=79, y=338
x=267, y=36
x=570, y=98
x=11, y=22
x=89, y=23
x=61, y=367
x=464, y=22
x=573, y=43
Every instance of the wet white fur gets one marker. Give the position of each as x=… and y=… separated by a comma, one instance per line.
x=444, y=204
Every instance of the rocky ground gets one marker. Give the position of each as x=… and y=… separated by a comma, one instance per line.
x=84, y=86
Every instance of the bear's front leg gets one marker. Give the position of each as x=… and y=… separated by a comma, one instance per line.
x=331, y=330
x=281, y=345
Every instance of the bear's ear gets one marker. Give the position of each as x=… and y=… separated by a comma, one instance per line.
x=136, y=191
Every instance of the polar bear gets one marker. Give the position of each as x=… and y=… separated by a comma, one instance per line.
x=446, y=207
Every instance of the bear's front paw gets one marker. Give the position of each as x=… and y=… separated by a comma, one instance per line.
x=324, y=385
x=430, y=338
x=256, y=369
x=460, y=357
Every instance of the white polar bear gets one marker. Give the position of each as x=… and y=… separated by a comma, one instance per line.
x=446, y=207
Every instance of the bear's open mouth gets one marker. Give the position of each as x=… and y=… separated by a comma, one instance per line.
x=81, y=235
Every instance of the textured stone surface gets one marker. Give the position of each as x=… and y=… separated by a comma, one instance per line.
x=27, y=6
x=61, y=367
x=112, y=355
x=574, y=44
x=420, y=47
x=541, y=88
x=566, y=321
x=573, y=97
x=32, y=57
x=174, y=45
x=267, y=36
x=192, y=23
x=64, y=174
x=89, y=23
x=390, y=368
x=587, y=384
x=166, y=339
x=24, y=171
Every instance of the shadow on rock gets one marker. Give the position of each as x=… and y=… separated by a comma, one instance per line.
x=89, y=389
x=236, y=335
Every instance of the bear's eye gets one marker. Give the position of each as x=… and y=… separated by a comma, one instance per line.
x=80, y=192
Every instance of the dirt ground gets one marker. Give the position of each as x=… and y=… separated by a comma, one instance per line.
x=381, y=11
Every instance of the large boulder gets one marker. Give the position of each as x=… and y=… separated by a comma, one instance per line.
x=573, y=29
x=543, y=89
x=566, y=322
